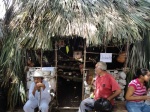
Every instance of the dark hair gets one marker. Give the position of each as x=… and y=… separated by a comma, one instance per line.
x=141, y=71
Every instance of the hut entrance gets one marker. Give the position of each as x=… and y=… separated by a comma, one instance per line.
x=69, y=72
x=69, y=92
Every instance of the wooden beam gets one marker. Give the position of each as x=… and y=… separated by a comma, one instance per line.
x=84, y=72
x=56, y=67
x=127, y=54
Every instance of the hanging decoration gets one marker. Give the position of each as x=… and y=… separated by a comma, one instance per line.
x=122, y=57
x=67, y=49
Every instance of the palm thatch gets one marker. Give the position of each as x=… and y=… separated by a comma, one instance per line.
x=31, y=24
x=1, y=29
x=99, y=21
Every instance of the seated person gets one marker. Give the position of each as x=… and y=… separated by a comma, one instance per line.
x=39, y=95
x=105, y=87
x=136, y=93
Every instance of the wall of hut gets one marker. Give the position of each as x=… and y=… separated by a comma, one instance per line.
x=72, y=81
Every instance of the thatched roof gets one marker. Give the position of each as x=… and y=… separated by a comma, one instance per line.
x=99, y=21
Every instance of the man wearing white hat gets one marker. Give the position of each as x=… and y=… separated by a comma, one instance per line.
x=38, y=94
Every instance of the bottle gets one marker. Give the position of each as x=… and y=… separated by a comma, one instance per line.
x=92, y=95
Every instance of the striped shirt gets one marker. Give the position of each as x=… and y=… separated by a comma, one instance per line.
x=140, y=89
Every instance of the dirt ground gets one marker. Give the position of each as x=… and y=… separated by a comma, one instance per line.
x=119, y=107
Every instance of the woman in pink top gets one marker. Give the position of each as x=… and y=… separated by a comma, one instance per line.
x=136, y=93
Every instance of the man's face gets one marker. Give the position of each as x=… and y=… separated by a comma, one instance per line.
x=97, y=69
x=37, y=79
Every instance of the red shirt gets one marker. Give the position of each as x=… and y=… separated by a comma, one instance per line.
x=105, y=86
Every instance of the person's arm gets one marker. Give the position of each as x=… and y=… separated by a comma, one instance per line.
x=32, y=91
x=116, y=93
x=129, y=95
x=115, y=88
x=46, y=87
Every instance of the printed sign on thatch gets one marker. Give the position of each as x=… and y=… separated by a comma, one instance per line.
x=106, y=57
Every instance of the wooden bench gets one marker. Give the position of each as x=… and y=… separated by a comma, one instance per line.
x=120, y=106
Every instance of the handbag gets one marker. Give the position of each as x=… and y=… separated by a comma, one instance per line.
x=103, y=105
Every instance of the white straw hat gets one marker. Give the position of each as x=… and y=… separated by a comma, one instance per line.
x=38, y=73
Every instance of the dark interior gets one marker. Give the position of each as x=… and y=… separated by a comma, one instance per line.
x=69, y=92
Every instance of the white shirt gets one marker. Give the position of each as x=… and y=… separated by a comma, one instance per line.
x=45, y=94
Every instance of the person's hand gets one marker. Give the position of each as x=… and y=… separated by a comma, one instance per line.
x=40, y=84
x=108, y=99
x=36, y=87
x=148, y=98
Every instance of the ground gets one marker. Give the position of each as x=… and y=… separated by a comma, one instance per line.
x=120, y=107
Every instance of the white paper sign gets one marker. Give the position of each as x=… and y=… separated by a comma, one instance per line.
x=106, y=57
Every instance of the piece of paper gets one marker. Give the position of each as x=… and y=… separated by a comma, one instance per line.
x=106, y=57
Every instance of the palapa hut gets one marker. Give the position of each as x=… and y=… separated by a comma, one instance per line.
x=34, y=24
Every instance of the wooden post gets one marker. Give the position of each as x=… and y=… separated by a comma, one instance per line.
x=84, y=71
x=40, y=88
x=41, y=58
x=56, y=64
x=56, y=54
x=127, y=54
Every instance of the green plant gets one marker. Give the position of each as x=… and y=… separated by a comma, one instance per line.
x=12, y=63
x=139, y=56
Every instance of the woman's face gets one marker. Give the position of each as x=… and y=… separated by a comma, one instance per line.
x=147, y=77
